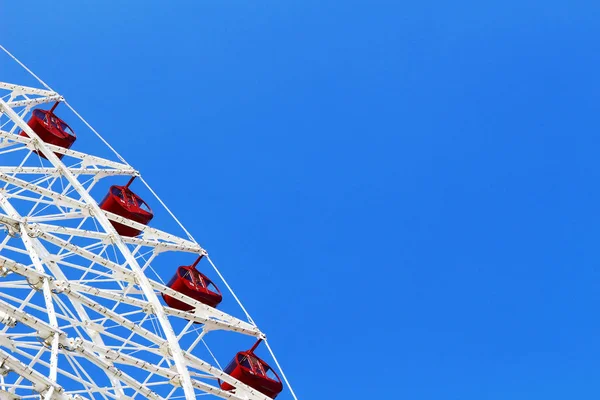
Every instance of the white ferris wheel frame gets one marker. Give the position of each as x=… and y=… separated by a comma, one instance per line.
x=46, y=278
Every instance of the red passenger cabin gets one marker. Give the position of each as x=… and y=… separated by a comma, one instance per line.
x=51, y=129
x=122, y=201
x=254, y=372
x=191, y=282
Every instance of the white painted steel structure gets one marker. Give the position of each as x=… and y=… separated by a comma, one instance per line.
x=80, y=310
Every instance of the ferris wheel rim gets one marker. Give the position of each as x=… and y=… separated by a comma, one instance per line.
x=49, y=152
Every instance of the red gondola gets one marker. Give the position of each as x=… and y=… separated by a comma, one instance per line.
x=122, y=201
x=191, y=282
x=51, y=129
x=254, y=372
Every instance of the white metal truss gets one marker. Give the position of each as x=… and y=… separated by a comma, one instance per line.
x=80, y=309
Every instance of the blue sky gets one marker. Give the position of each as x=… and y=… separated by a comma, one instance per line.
x=403, y=194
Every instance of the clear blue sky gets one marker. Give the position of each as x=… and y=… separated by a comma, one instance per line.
x=404, y=194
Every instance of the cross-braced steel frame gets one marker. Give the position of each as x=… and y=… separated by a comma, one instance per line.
x=80, y=315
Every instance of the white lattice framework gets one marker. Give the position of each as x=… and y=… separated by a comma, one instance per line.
x=80, y=309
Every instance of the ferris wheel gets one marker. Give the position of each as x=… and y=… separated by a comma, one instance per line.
x=83, y=312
